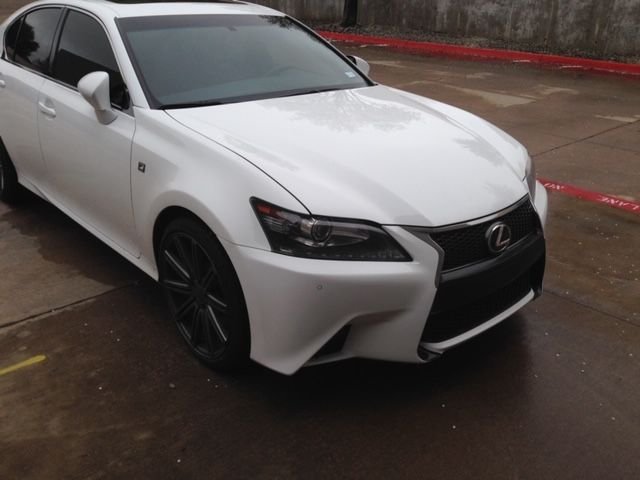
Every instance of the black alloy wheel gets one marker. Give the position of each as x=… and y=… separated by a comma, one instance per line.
x=204, y=295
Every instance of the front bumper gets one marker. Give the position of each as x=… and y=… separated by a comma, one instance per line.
x=305, y=311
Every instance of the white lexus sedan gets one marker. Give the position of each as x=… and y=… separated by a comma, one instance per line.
x=294, y=211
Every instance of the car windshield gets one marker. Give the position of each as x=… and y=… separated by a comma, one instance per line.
x=193, y=60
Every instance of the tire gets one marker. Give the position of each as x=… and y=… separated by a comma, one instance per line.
x=204, y=295
x=10, y=189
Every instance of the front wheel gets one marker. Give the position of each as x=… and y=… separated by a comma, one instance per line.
x=204, y=295
x=9, y=186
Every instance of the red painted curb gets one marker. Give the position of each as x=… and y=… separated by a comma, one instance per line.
x=576, y=192
x=443, y=49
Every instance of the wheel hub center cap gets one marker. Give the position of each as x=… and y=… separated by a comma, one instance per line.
x=200, y=294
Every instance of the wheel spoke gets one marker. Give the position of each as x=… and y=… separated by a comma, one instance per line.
x=207, y=284
x=212, y=343
x=208, y=277
x=216, y=303
x=182, y=253
x=216, y=325
x=189, y=304
x=178, y=287
x=195, y=263
x=175, y=265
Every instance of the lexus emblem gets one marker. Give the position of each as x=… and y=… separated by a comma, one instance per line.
x=498, y=237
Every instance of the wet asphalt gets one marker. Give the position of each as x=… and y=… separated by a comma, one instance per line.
x=552, y=393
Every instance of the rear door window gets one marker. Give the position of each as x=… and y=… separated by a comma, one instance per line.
x=84, y=48
x=11, y=38
x=33, y=48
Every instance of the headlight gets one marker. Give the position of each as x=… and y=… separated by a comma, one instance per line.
x=299, y=235
x=531, y=177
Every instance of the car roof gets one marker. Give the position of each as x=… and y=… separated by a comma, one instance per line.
x=143, y=8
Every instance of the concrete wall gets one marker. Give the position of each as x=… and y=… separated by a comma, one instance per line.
x=603, y=27
x=329, y=11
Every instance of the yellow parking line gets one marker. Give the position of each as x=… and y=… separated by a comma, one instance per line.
x=26, y=363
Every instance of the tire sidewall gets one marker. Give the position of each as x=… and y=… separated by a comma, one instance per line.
x=9, y=187
x=3, y=174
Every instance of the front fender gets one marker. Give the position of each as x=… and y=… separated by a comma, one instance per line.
x=173, y=166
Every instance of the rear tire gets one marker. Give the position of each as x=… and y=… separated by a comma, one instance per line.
x=10, y=189
x=204, y=295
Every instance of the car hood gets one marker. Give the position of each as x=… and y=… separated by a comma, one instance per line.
x=374, y=153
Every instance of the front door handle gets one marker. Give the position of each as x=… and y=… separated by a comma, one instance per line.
x=2, y=82
x=46, y=110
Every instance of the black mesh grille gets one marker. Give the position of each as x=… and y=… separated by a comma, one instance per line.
x=468, y=245
x=445, y=325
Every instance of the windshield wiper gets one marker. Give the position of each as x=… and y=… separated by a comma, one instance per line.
x=312, y=91
x=203, y=103
x=248, y=98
